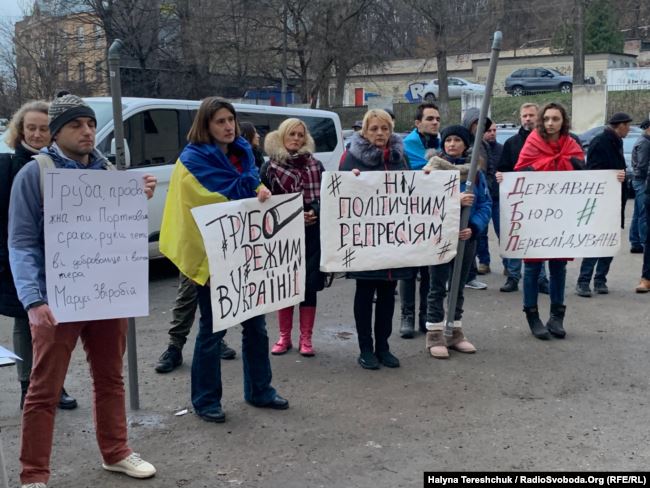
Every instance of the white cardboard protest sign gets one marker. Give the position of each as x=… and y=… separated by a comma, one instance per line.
x=256, y=254
x=96, y=244
x=560, y=214
x=388, y=219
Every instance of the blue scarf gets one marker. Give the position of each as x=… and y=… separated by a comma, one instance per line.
x=95, y=159
x=214, y=171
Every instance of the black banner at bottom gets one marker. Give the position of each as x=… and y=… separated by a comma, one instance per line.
x=575, y=478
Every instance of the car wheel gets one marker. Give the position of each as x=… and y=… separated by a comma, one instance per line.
x=565, y=88
x=430, y=97
x=517, y=91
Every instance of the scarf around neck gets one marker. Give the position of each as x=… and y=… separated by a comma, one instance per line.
x=539, y=155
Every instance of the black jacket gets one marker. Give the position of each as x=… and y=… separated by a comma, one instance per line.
x=10, y=164
x=511, y=149
x=364, y=156
x=641, y=157
x=606, y=152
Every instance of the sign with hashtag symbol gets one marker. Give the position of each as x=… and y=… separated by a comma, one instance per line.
x=388, y=219
x=560, y=214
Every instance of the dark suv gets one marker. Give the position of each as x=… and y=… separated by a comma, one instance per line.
x=532, y=80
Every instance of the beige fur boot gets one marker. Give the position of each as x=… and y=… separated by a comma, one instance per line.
x=458, y=341
x=435, y=340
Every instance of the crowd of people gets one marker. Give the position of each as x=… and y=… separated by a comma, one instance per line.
x=223, y=162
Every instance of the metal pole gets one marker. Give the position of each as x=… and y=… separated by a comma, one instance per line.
x=118, y=134
x=283, y=95
x=469, y=185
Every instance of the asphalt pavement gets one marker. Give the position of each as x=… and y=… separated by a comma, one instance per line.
x=518, y=404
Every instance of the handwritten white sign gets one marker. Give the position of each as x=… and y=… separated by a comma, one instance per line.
x=96, y=244
x=388, y=219
x=560, y=214
x=256, y=255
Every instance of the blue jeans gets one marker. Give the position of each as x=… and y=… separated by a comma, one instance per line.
x=639, y=225
x=482, y=247
x=532, y=271
x=645, y=273
x=587, y=270
x=206, y=364
x=513, y=268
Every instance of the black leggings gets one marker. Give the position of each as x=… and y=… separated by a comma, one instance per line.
x=383, y=313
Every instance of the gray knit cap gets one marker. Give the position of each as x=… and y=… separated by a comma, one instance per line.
x=65, y=109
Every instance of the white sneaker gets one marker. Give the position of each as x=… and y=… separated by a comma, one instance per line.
x=34, y=485
x=476, y=285
x=133, y=466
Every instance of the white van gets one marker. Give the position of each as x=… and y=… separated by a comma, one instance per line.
x=155, y=131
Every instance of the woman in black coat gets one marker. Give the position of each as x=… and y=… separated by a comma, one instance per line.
x=376, y=148
x=28, y=132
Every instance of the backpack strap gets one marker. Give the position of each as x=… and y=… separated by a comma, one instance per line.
x=44, y=162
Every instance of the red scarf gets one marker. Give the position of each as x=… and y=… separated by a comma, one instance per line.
x=544, y=156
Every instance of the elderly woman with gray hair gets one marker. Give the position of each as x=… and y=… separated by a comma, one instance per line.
x=376, y=148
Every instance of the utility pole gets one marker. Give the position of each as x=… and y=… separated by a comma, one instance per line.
x=284, y=56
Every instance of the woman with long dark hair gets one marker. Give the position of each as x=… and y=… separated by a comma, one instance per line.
x=216, y=166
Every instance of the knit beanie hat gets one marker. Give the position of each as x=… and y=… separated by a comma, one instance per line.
x=65, y=109
x=455, y=130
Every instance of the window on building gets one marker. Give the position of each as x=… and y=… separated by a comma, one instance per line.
x=82, y=72
x=98, y=71
x=80, y=36
x=99, y=38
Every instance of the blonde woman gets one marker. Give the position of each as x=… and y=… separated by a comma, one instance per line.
x=376, y=148
x=293, y=169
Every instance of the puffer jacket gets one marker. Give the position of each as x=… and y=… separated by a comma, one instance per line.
x=364, y=156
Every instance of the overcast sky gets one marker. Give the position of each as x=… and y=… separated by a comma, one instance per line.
x=11, y=8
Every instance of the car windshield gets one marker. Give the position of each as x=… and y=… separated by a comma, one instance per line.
x=555, y=72
x=103, y=111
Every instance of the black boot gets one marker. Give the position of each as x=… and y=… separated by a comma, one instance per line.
x=24, y=386
x=555, y=321
x=537, y=327
x=66, y=402
x=407, y=327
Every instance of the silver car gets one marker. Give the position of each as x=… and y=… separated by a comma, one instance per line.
x=456, y=86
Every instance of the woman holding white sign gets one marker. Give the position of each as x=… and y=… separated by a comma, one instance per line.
x=549, y=147
x=455, y=142
x=216, y=166
x=293, y=169
x=375, y=148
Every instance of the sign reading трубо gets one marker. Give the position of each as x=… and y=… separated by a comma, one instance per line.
x=256, y=254
x=388, y=219
x=560, y=214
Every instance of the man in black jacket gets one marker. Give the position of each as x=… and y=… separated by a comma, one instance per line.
x=605, y=152
x=640, y=163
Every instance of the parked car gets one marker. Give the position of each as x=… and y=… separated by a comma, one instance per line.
x=628, y=144
x=455, y=88
x=155, y=133
x=527, y=80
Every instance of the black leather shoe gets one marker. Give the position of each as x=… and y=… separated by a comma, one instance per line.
x=583, y=290
x=368, y=360
x=227, y=352
x=66, y=402
x=171, y=359
x=601, y=288
x=510, y=285
x=387, y=359
x=216, y=415
x=278, y=403
x=636, y=249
